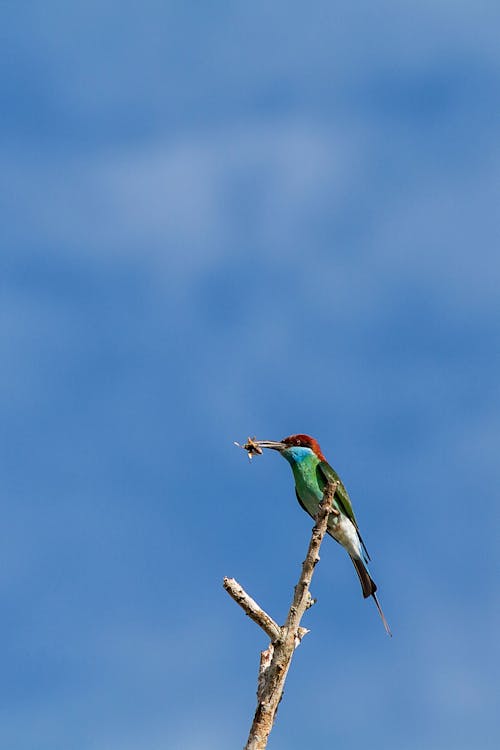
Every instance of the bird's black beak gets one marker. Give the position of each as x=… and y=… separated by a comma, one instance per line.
x=275, y=446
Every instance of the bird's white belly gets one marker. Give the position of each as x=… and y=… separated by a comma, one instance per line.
x=343, y=530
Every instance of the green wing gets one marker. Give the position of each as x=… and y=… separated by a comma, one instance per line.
x=327, y=474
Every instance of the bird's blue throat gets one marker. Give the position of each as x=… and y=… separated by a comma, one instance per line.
x=296, y=454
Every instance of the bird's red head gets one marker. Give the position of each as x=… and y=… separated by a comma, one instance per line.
x=305, y=441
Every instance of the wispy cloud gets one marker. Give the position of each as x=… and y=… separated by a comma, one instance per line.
x=201, y=241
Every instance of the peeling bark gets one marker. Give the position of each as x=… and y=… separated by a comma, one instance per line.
x=275, y=660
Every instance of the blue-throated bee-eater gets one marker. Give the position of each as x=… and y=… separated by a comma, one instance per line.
x=312, y=472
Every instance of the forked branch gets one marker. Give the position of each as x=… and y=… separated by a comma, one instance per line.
x=275, y=660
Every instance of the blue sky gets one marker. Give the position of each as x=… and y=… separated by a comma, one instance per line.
x=221, y=220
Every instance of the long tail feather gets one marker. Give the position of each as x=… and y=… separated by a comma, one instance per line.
x=386, y=624
x=367, y=583
x=369, y=588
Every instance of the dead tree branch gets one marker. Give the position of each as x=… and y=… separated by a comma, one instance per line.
x=275, y=661
x=252, y=609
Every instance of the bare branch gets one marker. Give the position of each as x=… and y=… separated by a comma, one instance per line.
x=252, y=609
x=275, y=661
x=271, y=691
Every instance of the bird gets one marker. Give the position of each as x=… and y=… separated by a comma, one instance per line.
x=312, y=472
